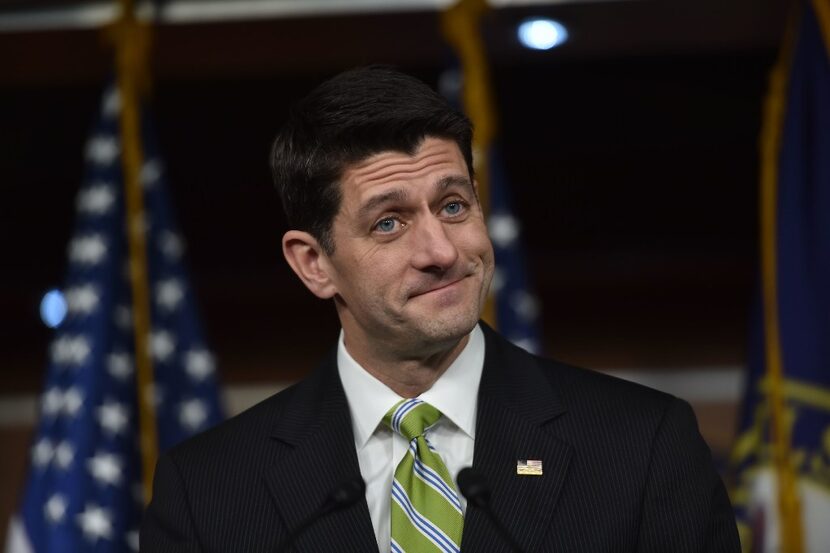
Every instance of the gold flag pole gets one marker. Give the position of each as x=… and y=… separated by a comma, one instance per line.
x=460, y=25
x=789, y=507
x=132, y=41
x=822, y=11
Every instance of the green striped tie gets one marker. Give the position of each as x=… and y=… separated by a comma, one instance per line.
x=426, y=513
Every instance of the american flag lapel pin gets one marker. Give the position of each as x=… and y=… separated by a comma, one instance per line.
x=529, y=467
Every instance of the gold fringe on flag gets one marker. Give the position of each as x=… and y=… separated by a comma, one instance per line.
x=789, y=507
x=822, y=10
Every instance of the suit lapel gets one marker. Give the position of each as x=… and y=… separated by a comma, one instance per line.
x=515, y=404
x=316, y=454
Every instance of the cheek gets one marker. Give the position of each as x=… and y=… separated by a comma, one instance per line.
x=377, y=274
x=475, y=242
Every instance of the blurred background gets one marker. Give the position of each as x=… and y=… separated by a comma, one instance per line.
x=630, y=153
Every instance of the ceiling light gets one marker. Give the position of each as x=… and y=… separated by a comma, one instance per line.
x=542, y=34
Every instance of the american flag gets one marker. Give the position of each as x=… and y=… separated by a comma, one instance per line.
x=517, y=308
x=83, y=491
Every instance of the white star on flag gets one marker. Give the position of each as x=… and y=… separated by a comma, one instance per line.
x=192, y=414
x=42, y=452
x=105, y=468
x=111, y=103
x=498, y=280
x=51, y=402
x=96, y=523
x=113, y=417
x=73, y=400
x=82, y=300
x=120, y=365
x=162, y=345
x=525, y=343
x=524, y=304
x=97, y=199
x=132, y=539
x=56, y=402
x=171, y=245
x=151, y=172
x=64, y=455
x=102, y=149
x=70, y=350
x=169, y=293
x=89, y=249
x=55, y=508
x=199, y=364
x=504, y=229
x=123, y=317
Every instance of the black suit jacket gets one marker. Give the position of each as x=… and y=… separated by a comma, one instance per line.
x=624, y=469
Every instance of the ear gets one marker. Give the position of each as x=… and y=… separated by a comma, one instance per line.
x=308, y=260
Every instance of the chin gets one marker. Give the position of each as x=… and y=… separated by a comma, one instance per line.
x=449, y=329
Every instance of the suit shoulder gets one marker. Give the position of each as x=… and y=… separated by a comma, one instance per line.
x=582, y=382
x=616, y=409
x=578, y=389
x=609, y=400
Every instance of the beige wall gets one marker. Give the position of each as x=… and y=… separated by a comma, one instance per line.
x=15, y=442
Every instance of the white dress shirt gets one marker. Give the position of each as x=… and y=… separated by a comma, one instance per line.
x=379, y=450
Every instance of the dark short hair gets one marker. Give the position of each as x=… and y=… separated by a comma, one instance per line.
x=346, y=119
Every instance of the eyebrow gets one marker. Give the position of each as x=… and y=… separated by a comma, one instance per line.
x=453, y=180
x=400, y=194
x=397, y=195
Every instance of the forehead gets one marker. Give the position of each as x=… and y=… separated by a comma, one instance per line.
x=434, y=159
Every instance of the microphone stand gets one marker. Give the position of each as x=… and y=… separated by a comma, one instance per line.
x=474, y=486
x=346, y=494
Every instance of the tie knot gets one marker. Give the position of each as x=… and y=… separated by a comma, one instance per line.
x=411, y=417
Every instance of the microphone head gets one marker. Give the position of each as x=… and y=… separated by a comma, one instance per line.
x=473, y=485
x=348, y=492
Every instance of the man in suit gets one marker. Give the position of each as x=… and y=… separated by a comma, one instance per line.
x=375, y=173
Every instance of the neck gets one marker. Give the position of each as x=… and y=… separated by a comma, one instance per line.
x=407, y=376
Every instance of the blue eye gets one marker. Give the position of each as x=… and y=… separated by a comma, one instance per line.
x=386, y=225
x=453, y=208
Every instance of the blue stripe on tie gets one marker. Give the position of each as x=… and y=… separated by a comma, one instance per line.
x=402, y=410
x=450, y=494
x=434, y=480
x=396, y=548
x=426, y=527
x=393, y=422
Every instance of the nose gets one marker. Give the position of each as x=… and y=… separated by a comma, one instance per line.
x=433, y=248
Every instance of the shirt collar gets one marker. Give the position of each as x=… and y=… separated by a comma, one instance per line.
x=455, y=393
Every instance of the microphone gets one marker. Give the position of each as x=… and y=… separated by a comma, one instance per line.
x=345, y=494
x=473, y=485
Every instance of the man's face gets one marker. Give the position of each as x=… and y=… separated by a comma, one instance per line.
x=412, y=263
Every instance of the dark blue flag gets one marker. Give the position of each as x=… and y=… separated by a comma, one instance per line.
x=84, y=489
x=517, y=308
x=797, y=132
